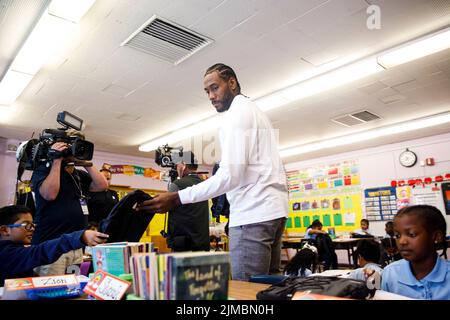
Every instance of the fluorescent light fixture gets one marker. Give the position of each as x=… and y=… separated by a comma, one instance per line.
x=51, y=30
x=12, y=85
x=368, y=135
x=182, y=134
x=6, y=113
x=70, y=10
x=324, y=82
x=43, y=40
x=416, y=49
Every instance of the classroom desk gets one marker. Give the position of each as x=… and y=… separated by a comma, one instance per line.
x=349, y=245
x=292, y=242
x=339, y=244
x=237, y=290
x=243, y=290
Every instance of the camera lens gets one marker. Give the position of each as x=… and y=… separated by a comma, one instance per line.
x=165, y=161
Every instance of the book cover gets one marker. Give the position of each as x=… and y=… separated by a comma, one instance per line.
x=199, y=275
x=104, y=286
x=36, y=288
x=114, y=257
x=109, y=258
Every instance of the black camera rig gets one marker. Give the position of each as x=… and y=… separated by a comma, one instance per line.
x=168, y=157
x=30, y=154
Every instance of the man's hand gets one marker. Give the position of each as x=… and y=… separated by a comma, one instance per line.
x=56, y=150
x=93, y=238
x=161, y=203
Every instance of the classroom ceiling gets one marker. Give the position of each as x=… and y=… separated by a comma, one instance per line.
x=128, y=97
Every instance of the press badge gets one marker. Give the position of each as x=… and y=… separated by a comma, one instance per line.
x=84, y=206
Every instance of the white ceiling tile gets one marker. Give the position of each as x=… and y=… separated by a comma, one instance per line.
x=290, y=10
x=392, y=99
x=116, y=90
x=225, y=17
x=385, y=92
x=444, y=65
x=373, y=87
x=186, y=15
x=407, y=86
x=396, y=79
x=327, y=16
x=320, y=58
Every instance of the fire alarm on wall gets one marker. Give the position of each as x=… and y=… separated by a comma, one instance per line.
x=429, y=161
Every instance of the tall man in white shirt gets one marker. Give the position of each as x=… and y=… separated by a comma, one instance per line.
x=251, y=174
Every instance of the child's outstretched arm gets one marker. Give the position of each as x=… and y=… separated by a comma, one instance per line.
x=17, y=259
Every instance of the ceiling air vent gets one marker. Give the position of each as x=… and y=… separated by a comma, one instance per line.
x=354, y=119
x=166, y=40
x=365, y=116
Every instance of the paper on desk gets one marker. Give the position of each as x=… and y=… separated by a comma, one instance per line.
x=334, y=273
x=384, y=295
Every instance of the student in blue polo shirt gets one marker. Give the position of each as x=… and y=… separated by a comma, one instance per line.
x=421, y=274
x=368, y=253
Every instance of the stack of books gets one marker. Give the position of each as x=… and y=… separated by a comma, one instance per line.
x=114, y=257
x=181, y=276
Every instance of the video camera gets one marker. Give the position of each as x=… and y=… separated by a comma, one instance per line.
x=168, y=157
x=35, y=151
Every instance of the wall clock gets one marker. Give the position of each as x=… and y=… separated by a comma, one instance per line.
x=408, y=158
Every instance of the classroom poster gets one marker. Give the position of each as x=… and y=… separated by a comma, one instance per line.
x=330, y=193
x=403, y=197
x=429, y=194
x=381, y=203
x=342, y=212
x=340, y=175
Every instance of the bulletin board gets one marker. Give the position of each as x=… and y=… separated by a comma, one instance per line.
x=342, y=212
x=382, y=203
x=330, y=193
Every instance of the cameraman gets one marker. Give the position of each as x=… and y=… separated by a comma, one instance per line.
x=188, y=227
x=101, y=203
x=60, y=192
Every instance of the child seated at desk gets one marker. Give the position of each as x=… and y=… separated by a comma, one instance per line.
x=421, y=274
x=364, y=232
x=18, y=257
x=389, y=250
x=368, y=253
x=322, y=241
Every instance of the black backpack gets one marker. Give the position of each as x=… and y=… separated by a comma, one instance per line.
x=123, y=222
x=330, y=286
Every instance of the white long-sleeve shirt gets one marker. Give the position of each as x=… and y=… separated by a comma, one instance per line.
x=251, y=172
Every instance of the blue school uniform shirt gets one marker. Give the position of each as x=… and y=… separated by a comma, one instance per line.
x=398, y=278
x=311, y=236
x=358, y=274
x=18, y=261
